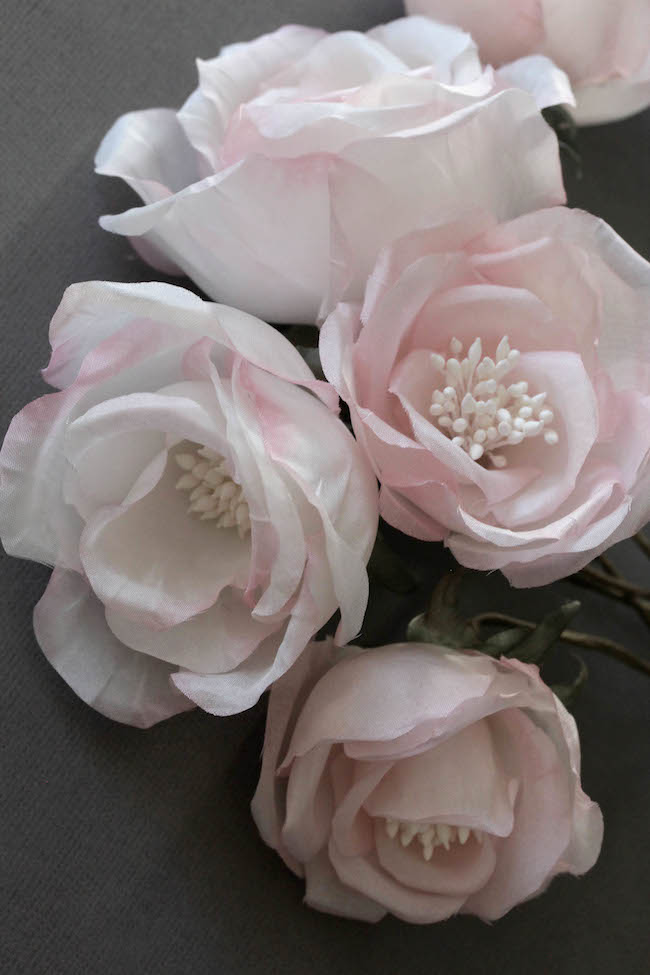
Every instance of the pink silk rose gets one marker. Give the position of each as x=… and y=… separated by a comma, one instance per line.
x=205, y=513
x=498, y=378
x=238, y=184
x=603, y=45
x=422, y=782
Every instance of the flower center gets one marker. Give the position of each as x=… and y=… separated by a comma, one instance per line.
x=430, y=835
x=475, y=408
x=213, y=494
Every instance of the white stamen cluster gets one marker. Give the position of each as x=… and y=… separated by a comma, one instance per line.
x=478, y=411
x=213, y=494
x=430, y=835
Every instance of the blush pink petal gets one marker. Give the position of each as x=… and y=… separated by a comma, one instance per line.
x=366, y=875
x=370, y=207
x=457, y=873
x=234, y=252
x=340, y=707
x=458, y=781
x=334, y=480
x=288, y=696
x=151, y=562
x=422, y=43
x=150, y=151
x=123, y=685
x=220, y=638
x=325, y=892
x=228, y=81
x=542, y=830
x=309, y=806
x=602, y=46
x=504, y=30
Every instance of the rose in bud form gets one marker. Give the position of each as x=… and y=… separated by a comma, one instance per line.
x=239, y=185
x=603, y=45
x=422, y=782
x=204, y=508
x=498, y=377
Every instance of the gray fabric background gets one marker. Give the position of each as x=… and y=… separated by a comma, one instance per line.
x=133, y=852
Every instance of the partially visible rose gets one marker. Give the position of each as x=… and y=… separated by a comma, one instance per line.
x=422, y=782
x=498, y=378
x=603, y=45
x=205, y=513
x=238, y=184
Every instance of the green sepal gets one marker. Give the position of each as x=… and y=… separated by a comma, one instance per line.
x=567, y=693
x=539, y=641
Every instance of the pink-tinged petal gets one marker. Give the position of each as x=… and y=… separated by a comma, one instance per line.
x=398, y=511
x=539, y=76
x=286, y=698
x=219, y=639
x=616, y=517
x=35, y=522
x=254, y=236
x=445, y=237
x=371, y=206
x=420, y=42
x=563, y=377
x=617, y=99
x=150, y=151
x=278, y=554
x=95, y=311
x=104, y=470
x=455, y=873
x=595, y=40
x=233, y=78
x=325, y=892
x=266, y=347
x=155, y=564
x=309, y=806
x=335, y=480
x=337, y=61
x=528, y=857
x=503, y=31
x=238, y=689
x=560, y=275
x=123, y=685
x=278, y=127
x=458, y=781
x=620, y=274
x=415, y=684
x=352, y=827
x=365, y=875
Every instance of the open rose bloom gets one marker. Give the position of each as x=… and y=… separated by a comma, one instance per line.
x=205, y=512
x=238, y=185
x=603, y=45
x=498, y=377
x=422, y=782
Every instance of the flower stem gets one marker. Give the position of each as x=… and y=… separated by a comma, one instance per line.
x=643, y=542
x=601, y=644
x=613, y=583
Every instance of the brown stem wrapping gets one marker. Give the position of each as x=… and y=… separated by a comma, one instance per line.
x=643, y=542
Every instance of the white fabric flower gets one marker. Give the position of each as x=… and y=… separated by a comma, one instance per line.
x=205, y=513
x=239, y=185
